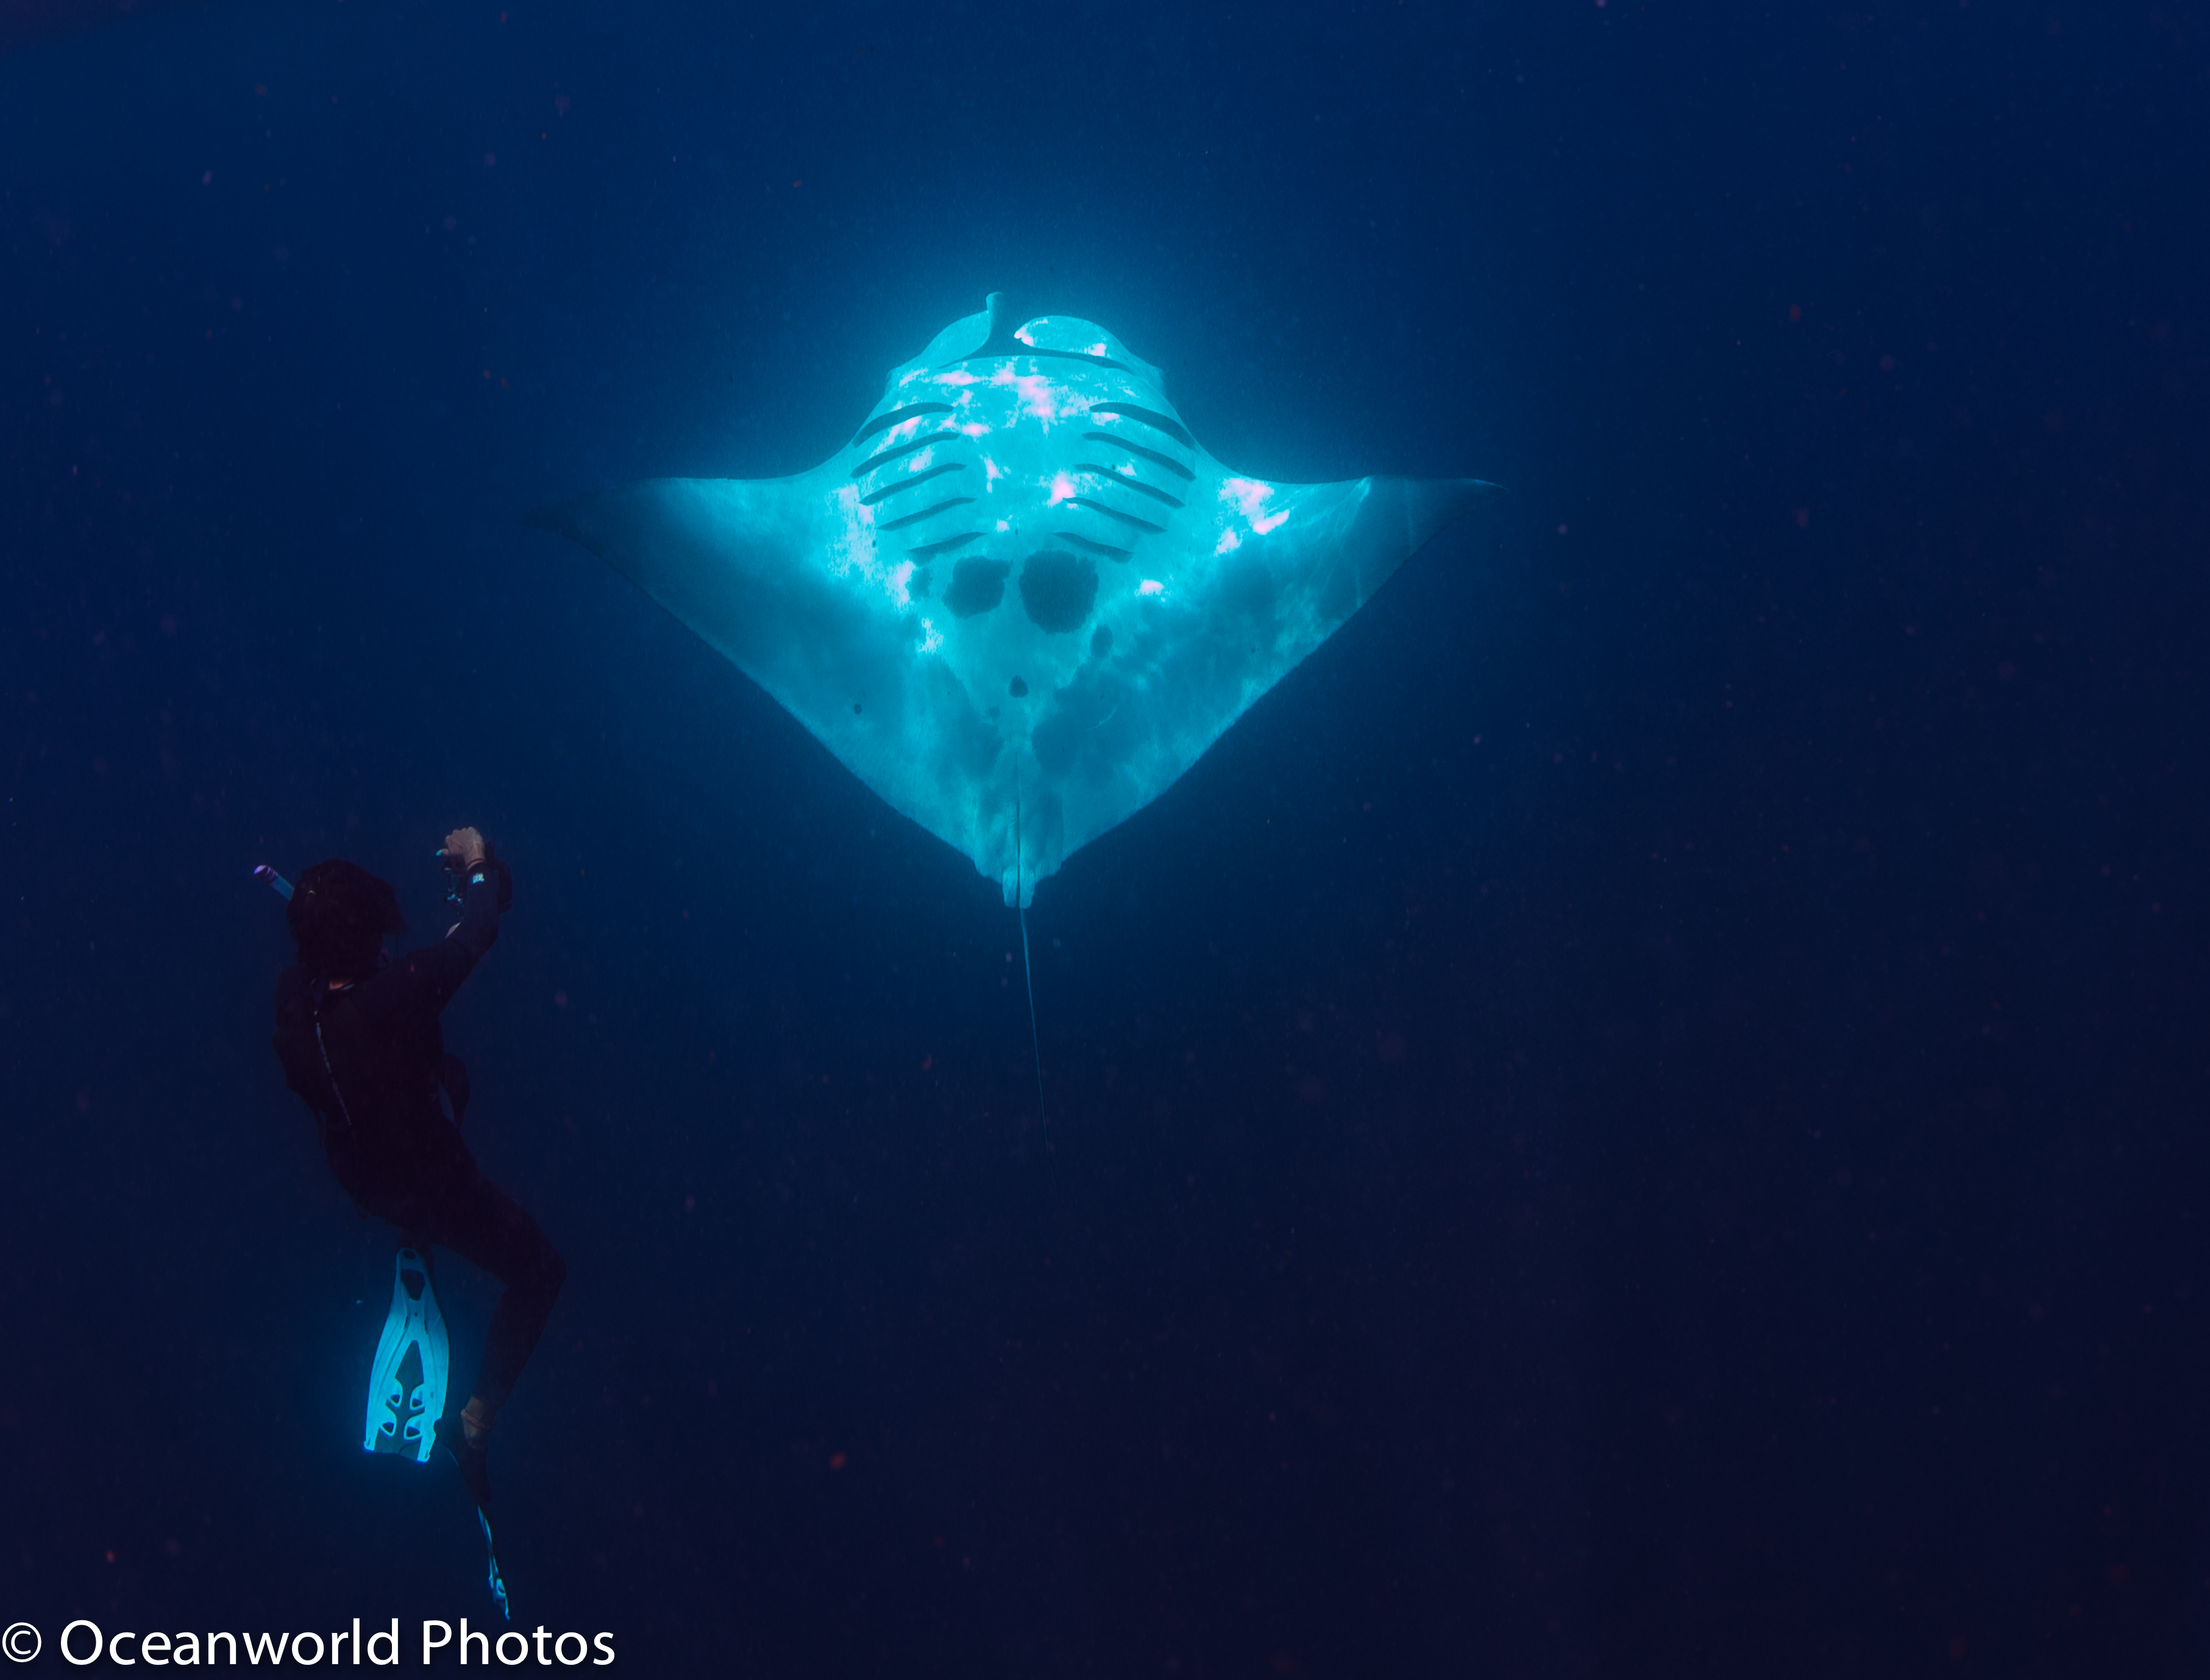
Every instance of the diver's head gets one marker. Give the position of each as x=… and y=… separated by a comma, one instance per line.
x=339, y=914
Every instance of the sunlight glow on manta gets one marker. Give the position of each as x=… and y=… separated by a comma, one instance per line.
x=1021, y=649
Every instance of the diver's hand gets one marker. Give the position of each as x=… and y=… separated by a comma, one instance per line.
x=467, y=845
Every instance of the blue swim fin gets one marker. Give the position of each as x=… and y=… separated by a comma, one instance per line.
x=406, y=1386
x=498, y=1580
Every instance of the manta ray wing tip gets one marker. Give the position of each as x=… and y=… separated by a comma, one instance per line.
x=1427, y=505
x=554, y=516
x=598, y=518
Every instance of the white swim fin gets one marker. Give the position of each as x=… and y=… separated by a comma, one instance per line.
x=406, y=1386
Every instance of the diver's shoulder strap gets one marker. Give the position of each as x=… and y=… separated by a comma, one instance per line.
x=319, y=991
x=453, y=1080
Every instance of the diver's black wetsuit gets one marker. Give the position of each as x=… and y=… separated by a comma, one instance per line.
x=388, y=1139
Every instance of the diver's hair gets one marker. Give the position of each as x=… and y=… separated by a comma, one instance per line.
x=339, y=914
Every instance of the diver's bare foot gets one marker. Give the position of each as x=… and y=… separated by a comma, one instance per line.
x=470, y=1457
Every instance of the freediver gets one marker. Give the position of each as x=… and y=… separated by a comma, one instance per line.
x=360, y=1040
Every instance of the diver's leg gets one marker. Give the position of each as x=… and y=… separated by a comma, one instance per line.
x=488, y=1228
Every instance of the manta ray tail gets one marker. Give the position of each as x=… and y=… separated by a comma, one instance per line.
x=1028, y=973
x=1035, y=1042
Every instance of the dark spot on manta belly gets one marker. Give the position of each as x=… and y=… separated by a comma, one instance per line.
x=1019, y=688
x=976, y=586
x=1058, y=589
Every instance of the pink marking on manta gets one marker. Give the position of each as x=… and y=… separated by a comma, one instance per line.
x=1099, y=349
x=1037, y=394
x=975, y=428
x=991, y=471
x=955, y=377
x=1229, y=543
x=1022, y=335
x=1063, y=489
x=1249, y=496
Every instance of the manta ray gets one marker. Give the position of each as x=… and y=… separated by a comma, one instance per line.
x=1022, y=601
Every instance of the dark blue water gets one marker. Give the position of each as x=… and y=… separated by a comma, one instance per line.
x=1641, y=1114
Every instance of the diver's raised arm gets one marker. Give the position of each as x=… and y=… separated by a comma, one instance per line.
x=427, y=979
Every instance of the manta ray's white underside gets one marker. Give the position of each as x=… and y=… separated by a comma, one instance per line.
x=1022, y=601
